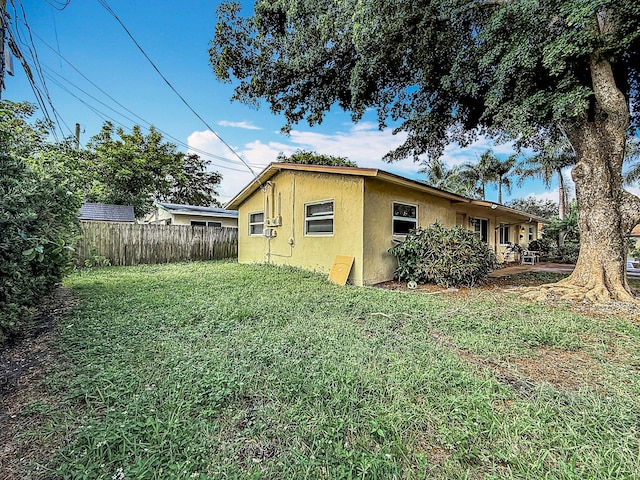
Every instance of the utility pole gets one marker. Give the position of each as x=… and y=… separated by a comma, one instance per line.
x=77, y=136
x=3, y=26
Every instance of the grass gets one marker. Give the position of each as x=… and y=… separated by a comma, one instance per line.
x=220, y=370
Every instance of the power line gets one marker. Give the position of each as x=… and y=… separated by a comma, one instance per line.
x=103, y=115
x=37, y=83
x=98, y=112
x=114, y=15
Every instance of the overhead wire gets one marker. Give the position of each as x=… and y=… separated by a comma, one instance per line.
x=59, y=5
x=49, y=72
x=146, y=122
x=37, y=82
x=115, y=16
x=36, y=61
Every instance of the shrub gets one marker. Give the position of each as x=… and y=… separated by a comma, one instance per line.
x=38, y=219
x=444, y=256
x=542, y=245
x=96, y=260
x=567, y=253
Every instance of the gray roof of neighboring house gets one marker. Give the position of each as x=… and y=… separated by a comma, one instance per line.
x=101, y=212
x=177, y=209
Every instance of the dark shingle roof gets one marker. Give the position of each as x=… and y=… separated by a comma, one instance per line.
x=102, y=212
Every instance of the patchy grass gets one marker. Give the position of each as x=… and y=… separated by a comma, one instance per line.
x=220, y=370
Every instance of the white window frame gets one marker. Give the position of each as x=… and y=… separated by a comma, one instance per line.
x=501, y=238
x=327, y=216
x=478, y=232
x=403, y=219
x=531, y=238
x=256, y=224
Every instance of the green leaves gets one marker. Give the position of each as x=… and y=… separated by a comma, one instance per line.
x=446, y=257
x=39, y=202
x=304, y=157
x=440, y=70
x=137, y=169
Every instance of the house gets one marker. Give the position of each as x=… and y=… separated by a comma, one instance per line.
x=176, y=214
x=635, y=236
x=102, y=212
x=306, y=215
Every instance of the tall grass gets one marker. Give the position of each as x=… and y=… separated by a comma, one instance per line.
x=220, y=370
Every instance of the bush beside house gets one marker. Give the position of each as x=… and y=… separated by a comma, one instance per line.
x=444, y=256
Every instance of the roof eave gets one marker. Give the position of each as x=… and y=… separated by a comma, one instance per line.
x=512, y=211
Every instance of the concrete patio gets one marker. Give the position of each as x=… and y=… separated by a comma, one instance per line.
x=549, y=267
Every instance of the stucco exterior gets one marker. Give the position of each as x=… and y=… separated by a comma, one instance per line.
x=365, y=207
x=285, y=196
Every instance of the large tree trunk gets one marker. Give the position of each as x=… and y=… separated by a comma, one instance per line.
x=606, y=213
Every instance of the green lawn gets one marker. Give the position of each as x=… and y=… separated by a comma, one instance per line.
x=220, y=370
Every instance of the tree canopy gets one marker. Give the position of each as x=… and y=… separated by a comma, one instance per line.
x=304, y=157
x=445, y=70
x=541, y=208
x=137, y=169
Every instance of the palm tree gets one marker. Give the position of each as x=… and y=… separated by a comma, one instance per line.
x=555, y=157
x=501, y=171
x=632, y=155
x=449, y=179
x=480, y=173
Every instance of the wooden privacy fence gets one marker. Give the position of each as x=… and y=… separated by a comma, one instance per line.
x=133, y=244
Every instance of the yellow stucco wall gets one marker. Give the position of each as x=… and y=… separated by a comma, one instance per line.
x=378, y=223
x=517, y=227
x=379, y=265
x=287, y=193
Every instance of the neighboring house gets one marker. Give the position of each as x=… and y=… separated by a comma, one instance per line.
x=635, y=235
x=102, y=212
x=176, y=214
x=305, y=215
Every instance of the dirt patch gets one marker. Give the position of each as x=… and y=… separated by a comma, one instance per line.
x=24, y=362
x=566, y=370
x=511, y=284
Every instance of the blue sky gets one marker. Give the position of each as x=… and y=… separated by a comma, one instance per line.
x=176, y=36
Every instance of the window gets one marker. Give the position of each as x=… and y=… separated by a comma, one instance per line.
x=504, y=234
x=405, y=218
x=202, y=223
x=318, y=218
x=256, y=223
x=480, y=228
x=531, y=234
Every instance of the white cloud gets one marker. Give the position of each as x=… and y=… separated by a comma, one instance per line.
x=552, y=195
x=635, y=189
x=245, y=125
x=235, y=175
x=362, y=143
x=454, y=154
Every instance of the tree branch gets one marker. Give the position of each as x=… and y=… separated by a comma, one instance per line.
x=607, y=93
x=629, y=211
